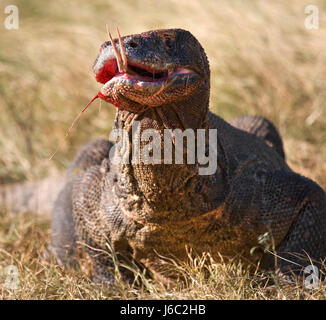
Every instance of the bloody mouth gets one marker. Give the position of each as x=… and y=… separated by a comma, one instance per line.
x=134, y=71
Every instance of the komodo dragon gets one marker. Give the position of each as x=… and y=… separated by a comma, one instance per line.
x=143, y=211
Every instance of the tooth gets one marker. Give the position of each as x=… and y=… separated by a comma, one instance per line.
x=116, y=51
x=123, y=53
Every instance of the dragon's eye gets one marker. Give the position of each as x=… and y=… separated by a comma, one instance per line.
x=133, y=44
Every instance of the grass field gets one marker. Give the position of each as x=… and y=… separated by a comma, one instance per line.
x=263, y=61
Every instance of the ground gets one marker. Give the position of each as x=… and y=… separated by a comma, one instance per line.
x=263, y=61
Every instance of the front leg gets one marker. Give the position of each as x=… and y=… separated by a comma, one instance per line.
x=305, y=242
x=291, y=209
x=98, y=220
x=63, y=236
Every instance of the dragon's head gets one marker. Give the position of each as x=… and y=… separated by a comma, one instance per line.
x=151, y=69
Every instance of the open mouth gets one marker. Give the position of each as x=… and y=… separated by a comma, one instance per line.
x=147, y=73
x=134, y=71
x=120, y=66
x=138, y=72
x=129, y=82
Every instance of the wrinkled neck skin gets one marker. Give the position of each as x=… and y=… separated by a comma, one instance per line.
x=158, y=192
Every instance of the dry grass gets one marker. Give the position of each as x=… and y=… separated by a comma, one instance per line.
x=263, y=61
x=24, y=241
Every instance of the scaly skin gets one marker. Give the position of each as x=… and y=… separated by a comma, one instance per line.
x=147, y=210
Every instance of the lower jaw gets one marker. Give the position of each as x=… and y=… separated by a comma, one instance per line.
x=122, y=103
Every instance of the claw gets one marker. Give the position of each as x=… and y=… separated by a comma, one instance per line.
x=123, y=53
x=116, y=51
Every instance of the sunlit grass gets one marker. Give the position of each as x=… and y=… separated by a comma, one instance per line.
x=23, y=243
x=262, y=59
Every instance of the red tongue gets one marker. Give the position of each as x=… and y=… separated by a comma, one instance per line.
x=108, y=71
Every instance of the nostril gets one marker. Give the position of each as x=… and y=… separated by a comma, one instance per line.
x=132, y=44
